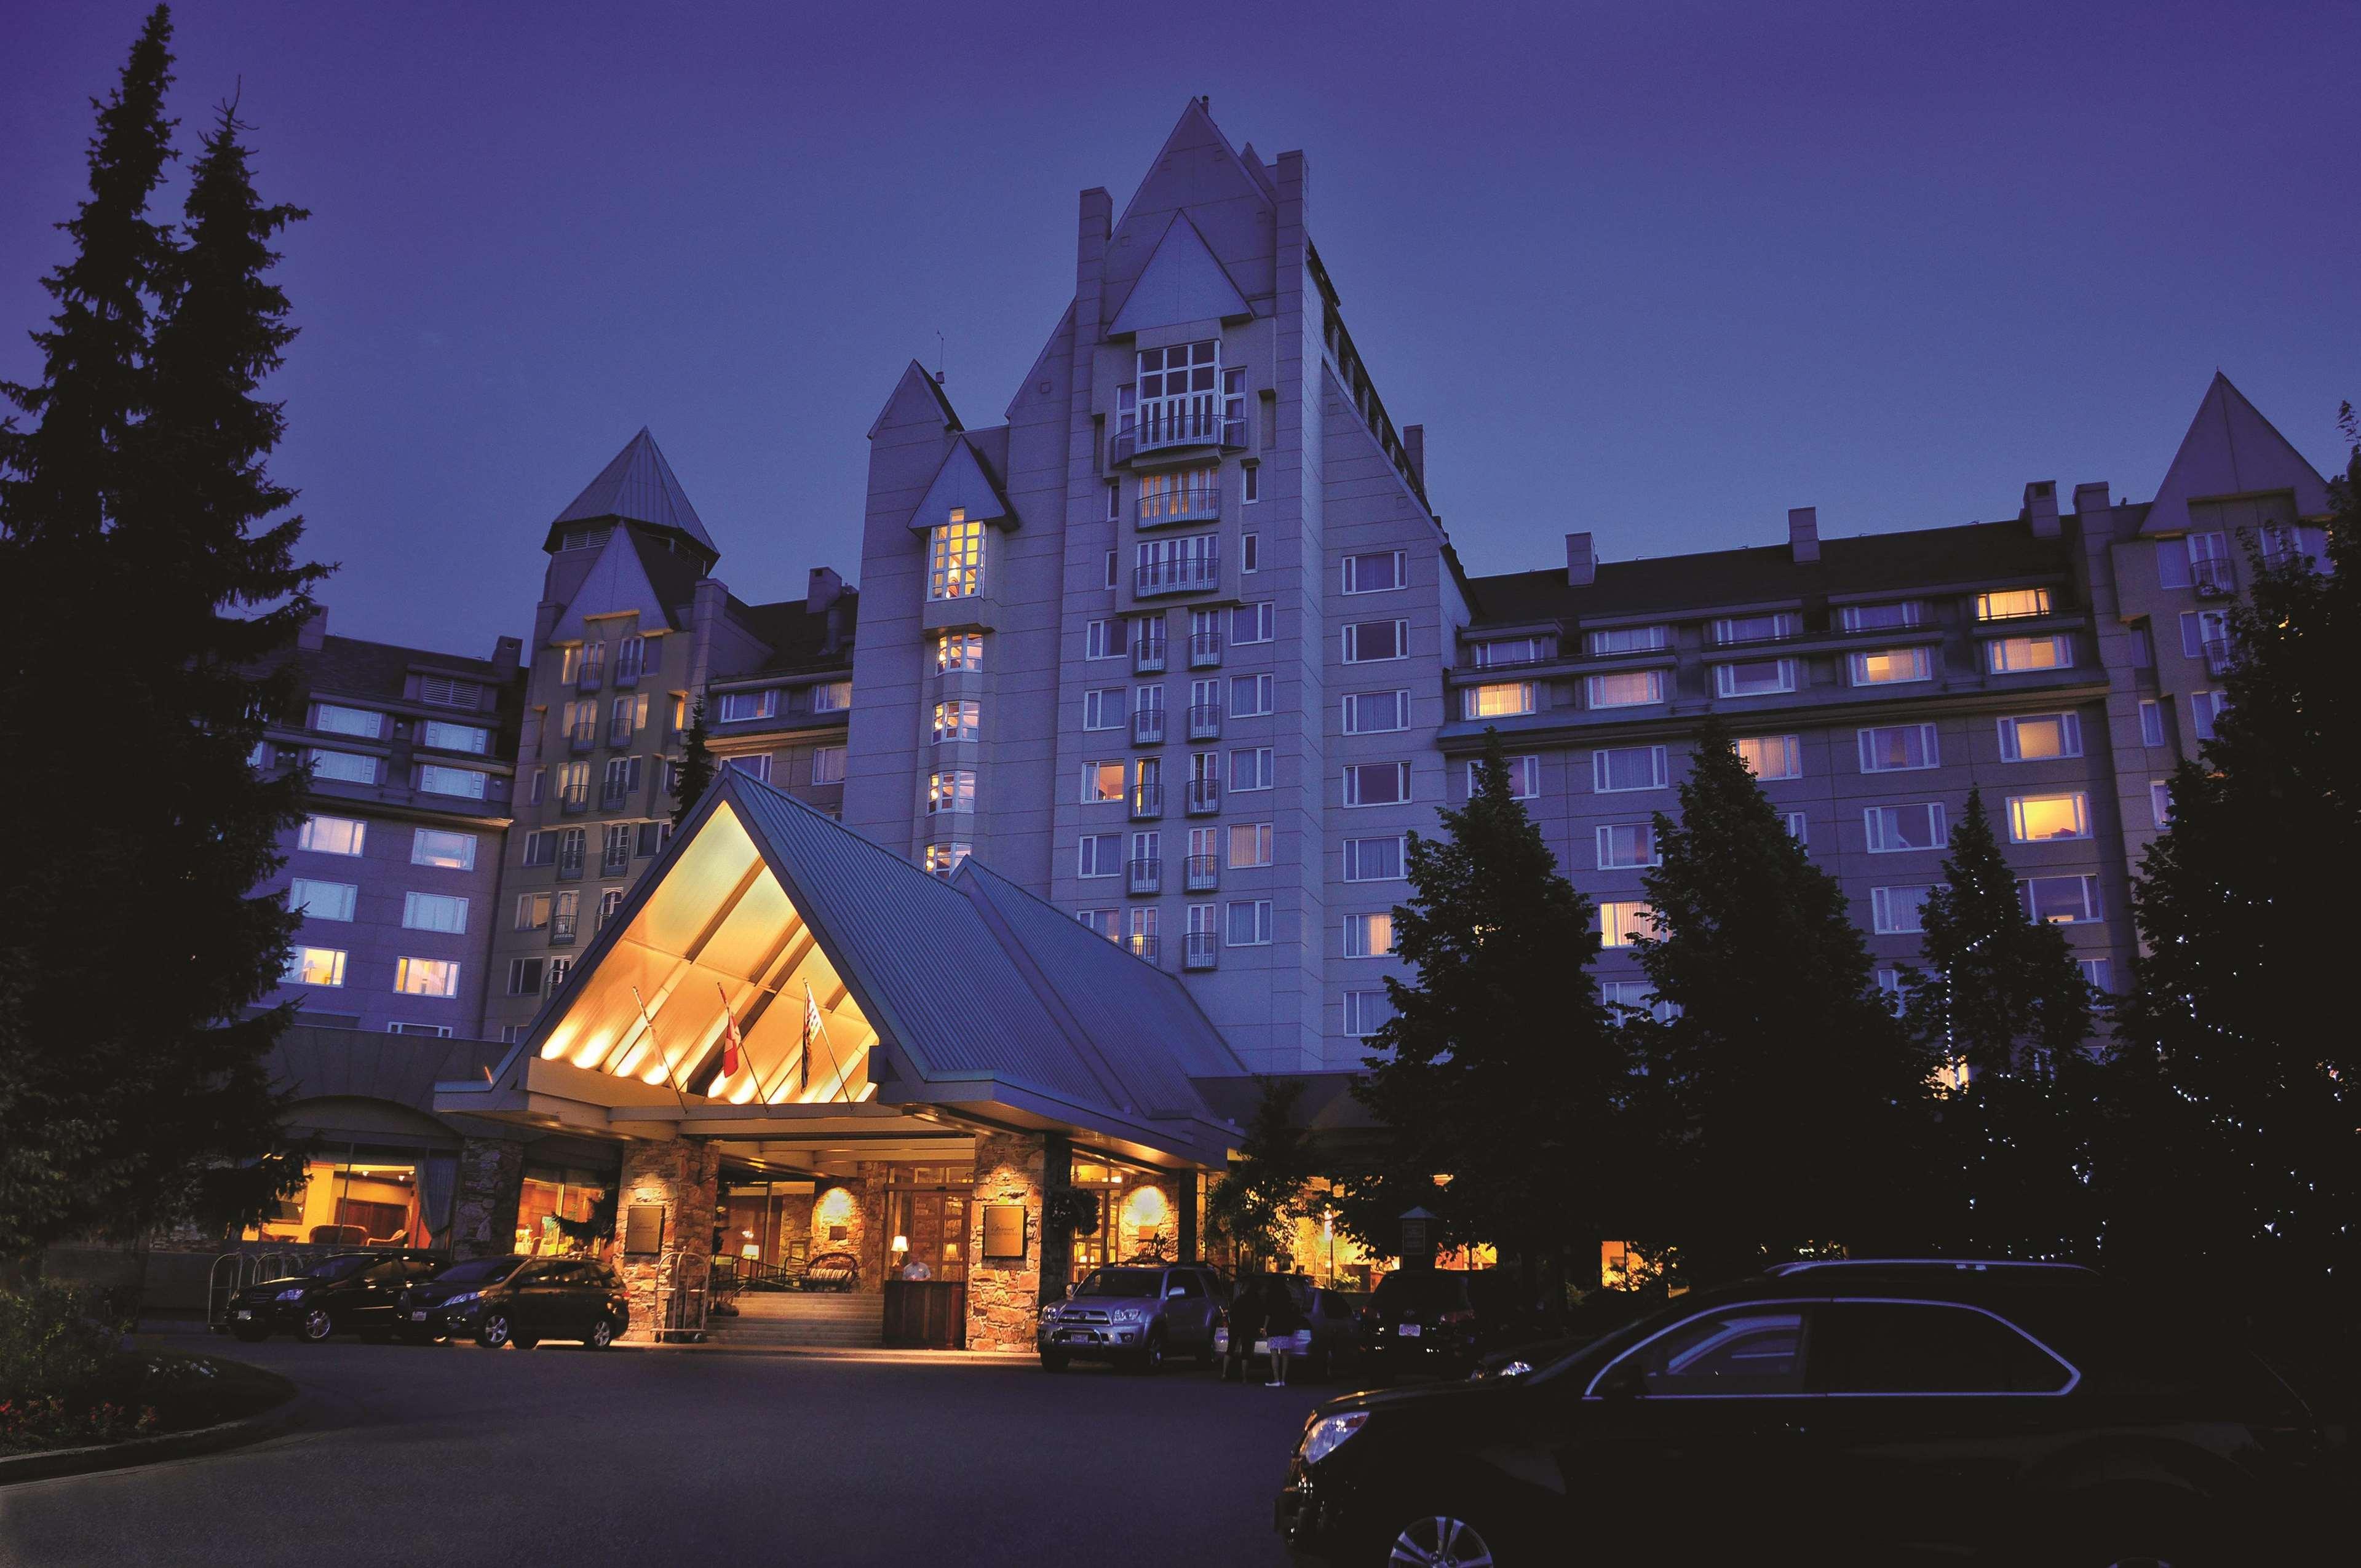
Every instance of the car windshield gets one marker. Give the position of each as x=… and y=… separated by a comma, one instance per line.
x=1424, y=1289
x=1123, y=1282
x=478, y=1271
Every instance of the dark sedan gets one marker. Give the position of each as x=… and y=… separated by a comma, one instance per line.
x=1862, y=1411
x=351, y=1293
x=501, y=1301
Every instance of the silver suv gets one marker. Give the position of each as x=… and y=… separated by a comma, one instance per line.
x=1135, y=1315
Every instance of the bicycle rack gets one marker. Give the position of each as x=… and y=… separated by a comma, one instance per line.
x=682, y=1295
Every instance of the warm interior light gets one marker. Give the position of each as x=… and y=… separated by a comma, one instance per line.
x=901, y=1243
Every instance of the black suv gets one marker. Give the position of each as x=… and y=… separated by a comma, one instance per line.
x=353, y=1293
x=1855, y=1410
x=519, y=1300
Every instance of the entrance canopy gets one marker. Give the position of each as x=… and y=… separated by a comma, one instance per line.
x=882, y=1013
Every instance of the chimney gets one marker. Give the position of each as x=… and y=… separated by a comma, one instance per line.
x=2041, y=508
x=1804, y=533
x=313, y=634
x=2092, y=497
x=1581, y=565
x=506, y=653
x=1413, y=438
x=826, y=587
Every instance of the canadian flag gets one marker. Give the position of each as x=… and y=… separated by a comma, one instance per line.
x=732, y=1040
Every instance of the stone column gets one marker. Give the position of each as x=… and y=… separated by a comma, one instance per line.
x=484, y=1207
x=683, y=1175
x=1004, y=1295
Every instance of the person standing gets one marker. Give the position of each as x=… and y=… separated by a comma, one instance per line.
x=1285, y=1326
x=1246, y=1320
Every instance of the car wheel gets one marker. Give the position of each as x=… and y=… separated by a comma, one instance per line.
x=1152, y=1357
x=317, y=1326
x=493, y=1332
x=251, y=1333
x=601, y=1335
x=1054, y=1361
x=1440, y=1540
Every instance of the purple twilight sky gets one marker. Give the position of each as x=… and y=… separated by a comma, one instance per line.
x=1657, y=270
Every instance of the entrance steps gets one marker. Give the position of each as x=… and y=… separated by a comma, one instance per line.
x=795, y=1319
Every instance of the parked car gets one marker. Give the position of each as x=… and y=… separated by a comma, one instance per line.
x=519, y=1300
x=352, y=1292
x=1134, y=1315
x=1444, y=1320
x=2014, y=1411
x=1335, y=1323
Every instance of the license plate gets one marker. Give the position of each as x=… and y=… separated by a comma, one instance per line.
x=417, y=1317
x=1408, y=1331
x=243, y=1312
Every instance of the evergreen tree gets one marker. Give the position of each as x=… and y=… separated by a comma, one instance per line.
x=1257, y=1202
x=696, y=766
x=1797, y=1097
x=2232, y=1089
x=1499, y=1069
x=2002, y=1002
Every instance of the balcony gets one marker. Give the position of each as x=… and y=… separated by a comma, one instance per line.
x=2212, y=578
x=1204, y=649
x=1146, y=802
x=1141, y=945
x=617, y=865
x=583, y=740
x=1204, y=722
x=1148, y=657
x=561, y=930
x=1185, y=573
x=1196, y=503
x=1200, y=950
x=1201, y=873
x=1147, y=727
x=2219, y=656
x=1204, y=797
x=590, y=680
x=614, y=797
x=1146, y=876
x=1161, y=427
x=573, y=804
x=569, y=868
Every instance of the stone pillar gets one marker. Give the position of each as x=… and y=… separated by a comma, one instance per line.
x=872, y=1237
x=484, y=1207
x=1057, y=1242
x=846, y=1202
x=683, y=1175
x=1191, y=1212
x=1004, y=1295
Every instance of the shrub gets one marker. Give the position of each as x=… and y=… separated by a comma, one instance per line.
x=63, y=1378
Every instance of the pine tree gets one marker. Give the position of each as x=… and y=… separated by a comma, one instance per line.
x=1499, y=1068
x=1798, y=1098
x=696, y=766
x=2232, y=1089
x=2002, y=999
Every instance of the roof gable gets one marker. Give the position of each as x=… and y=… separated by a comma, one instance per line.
x=963, y=484
x=2231, y=450
x=618, y=582
x=638, y=485
x=1183, y=282
x=917, y=398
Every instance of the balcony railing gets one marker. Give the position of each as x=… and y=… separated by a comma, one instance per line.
x=589, y=680
x=561, y=929
x=1147, y=800
x=1147, y=727
x=616, y=865
x=1200, y=950
x=574, y=805
x=2213, y=577
x=1201, y=873
x=1160, y=425
x=1198, y=503
x=569, y=868
x=1141, y=946
x=1179, y=574
x=583, y=739
x=2219, y=655
x=1146, y=876
x=613, y=797
x=1204, y=722
x=1204, y=797
x=1204, y=649
x=1146, y=657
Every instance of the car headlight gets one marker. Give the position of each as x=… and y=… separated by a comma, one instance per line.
x=294, y=1295
x=462, y=1298
x=1322, y=1438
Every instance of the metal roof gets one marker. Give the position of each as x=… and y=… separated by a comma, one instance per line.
x=638, y=487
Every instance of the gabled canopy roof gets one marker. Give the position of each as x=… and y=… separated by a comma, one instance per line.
x=2231, y=450
x=965, y=484
x=1183, y=282
x=637, y=487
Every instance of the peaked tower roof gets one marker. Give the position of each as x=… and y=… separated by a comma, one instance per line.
x=2231, y=450
x=1183, y=282
x=639, y=487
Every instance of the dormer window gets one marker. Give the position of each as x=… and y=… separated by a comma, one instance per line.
x=955, y=558
x=1180, y=395
x=1627, y=640
x=2013, y=604
x=1883, y=616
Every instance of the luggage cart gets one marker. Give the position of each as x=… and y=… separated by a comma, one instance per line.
x=683, y=1296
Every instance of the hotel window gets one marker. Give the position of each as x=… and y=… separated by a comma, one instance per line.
x=1106, y=922
x=1770, y=628
x=1249, y=923
x=1503, y=650
x=1773, y=756
x=2040, y=738
x=443, y=691
x=465, y=782
x=1251, y=768
x=1252, y=622
x=1251, y=844
x=953, y=789
x=1625, y=639
x=2099, y=974
x=332, y=835
x=1758, y=677
x=571, y=844
x=1893, y=911
x=524, y=977
x=1799, y=829
x=1368, y=642
x=2205, y=634
x=1635, y=995
x=1234, y=407
x=558, y=970
x=580, y=721
x=574, y=786
x=1183, y=493
x=954, y=558
x=828, y=764
x=1623, y=922
x=1365, y=1012
x=2209, y=562
x=532, y=912
x=345, y=767
x=565, y=915
x=964, y=650
x=1250, y=544
x=1882, y=617
x=1371, y=713
x=1377, y=572
x=321, y=900
x=2014, y=655
x=623, y=779
x=1143, y=934
x=737, y=707
x=630, y=659
x=2160, y=803
x=444, y=736
x=1373, y=860
x=1368, y=936
x=1250, y=483
x=957, y=720
x=1892, y=828
x=2204, y=709
x=426, y=977
x=1101, y=855
x=2151, y=714
x=1251, y=695
x=2038, y=819
x=1113, y=572
x=1524, y=777
x=1624, y=845
x=539, y=849
x=831, y=696
x=2012, y=604
x=451, y=851
x=537, y=786
x=1897, y=748
x=1632, y=689
x=594, y=664
x=1627, y=767
x=1101, y=782
x=1100, y=641
x=337, y=720
x=437, y=1031
x=313, y=966
x=944, y=859
x=1891, y=667
x=1115, y=500
x=1377, y=783
x=757, y=766
x=1502, y=700
x=609, y=899
x=2060, y=900
x=435, y=912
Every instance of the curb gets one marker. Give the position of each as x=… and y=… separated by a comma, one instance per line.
x=100, y=1457
x=845, y=1353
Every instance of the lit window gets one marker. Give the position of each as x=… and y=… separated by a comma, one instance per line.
x=1377, y=572
x=1627, y=767
x=332, y=835
x=313, y=966
x=957, y=720
x=1366, y=641
x=533, y=911
x=1251, y=844
x=1632, y=688
x=321, y=900
x=1186, y=493
x=954, y=558
x=1373, y=860
x=1758, y=677
x=1143, y=934
x=1892, y=828
x=1524, y=777
x=1622, y=922
x=1624, y=845
x=1368, y=936
x=737, y=707
x=1898, y=747
x=1377, y=783
x=1106, y=922
x=1757, y=628
x=2060, y=900
x=1101, y=855
x=451, y=851
x=1882, y=617
x=2036, y=818
x=1249, y=923
x=951, y=790
x=944, y=859
x=2159, y=801
x=2014, y=655
x=435, y=912
x=828, y=764
x=2012, y=604
x=1505, y=699
x=1773, y=756
x=964, y=650
x=426, y=977
x=1368, y=713
x=831, y=696
x=1627, y=640
x=2040, y=738
x=1252, y=769
x=1893, y=911
x=1367, y=1012
x=1892, y=666
x=345, y=767
x=445, y=736
x=466, y=783
x=338, y=720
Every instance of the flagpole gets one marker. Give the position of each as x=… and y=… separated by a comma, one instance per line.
x=650, y=1023
x=836, y=1066
x=729, y=1022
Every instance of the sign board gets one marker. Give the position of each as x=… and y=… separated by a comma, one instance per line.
x=1004, y=1230
x=644, y=1229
